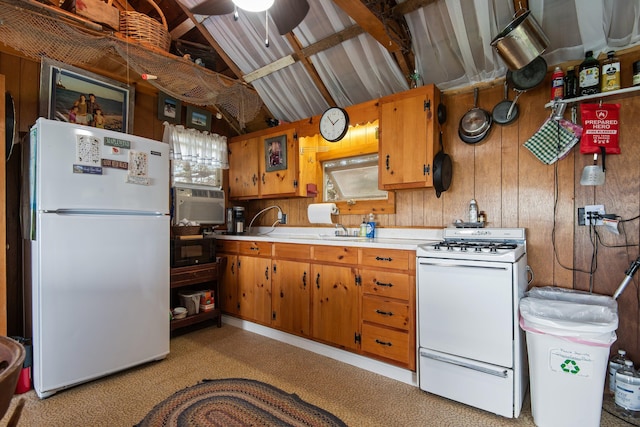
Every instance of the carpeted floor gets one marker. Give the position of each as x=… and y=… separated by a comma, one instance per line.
x=357, y=397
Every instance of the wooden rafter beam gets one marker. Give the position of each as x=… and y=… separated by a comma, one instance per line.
x=308, y=65
x=369, y=22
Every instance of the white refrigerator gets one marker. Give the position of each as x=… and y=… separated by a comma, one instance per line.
x=99, y=231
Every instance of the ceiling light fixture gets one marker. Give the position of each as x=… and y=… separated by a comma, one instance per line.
x=253, y=5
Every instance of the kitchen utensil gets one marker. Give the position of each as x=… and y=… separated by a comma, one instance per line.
x=593, y=174
x=442, y=169
x=505, y=111
x=475, y=123
x=526, y=78
x=521, y=41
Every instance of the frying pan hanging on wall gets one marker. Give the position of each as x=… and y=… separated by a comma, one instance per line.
x=442, y=168
x=526, y=79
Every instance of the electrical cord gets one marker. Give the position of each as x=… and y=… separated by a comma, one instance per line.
x=262, y=211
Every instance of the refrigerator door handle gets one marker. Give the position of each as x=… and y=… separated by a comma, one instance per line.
x=101, y=212
x=498, y=373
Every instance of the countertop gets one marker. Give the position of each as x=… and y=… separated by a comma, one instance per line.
x=391, y=238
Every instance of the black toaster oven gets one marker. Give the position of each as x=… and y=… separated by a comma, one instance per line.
x=192, y=250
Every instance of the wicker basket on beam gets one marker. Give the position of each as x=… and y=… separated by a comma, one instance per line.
x=145, y=29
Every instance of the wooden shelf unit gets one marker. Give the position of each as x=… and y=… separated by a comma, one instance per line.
x=198, y=277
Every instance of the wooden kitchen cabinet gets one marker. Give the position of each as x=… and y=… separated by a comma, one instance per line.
x=254, y=281
x=244, y=169
x=388, y=305
x=267, y=165
x=291, y=288
x=228, y=276
x=335, y=297
x=196, y=278
x=408, y=138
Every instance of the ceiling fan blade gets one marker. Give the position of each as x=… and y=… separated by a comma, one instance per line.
x=287, y=14
x=213, y=7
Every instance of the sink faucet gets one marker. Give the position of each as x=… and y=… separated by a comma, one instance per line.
x=346, y=232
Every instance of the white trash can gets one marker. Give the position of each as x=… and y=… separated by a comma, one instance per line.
x=569, y=334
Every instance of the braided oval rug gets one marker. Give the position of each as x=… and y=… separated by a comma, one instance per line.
x=236, y=402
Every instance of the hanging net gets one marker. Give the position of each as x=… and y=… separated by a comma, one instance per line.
x=37, y=35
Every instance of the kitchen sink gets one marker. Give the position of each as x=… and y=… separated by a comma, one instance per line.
x=344, y=238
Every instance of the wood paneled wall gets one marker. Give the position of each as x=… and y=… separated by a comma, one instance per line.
x=515, y=189
x=509, y=183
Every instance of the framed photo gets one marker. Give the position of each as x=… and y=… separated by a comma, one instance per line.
x=198, y=118
x=73, y=95
x=169, y=109
x=275, y=153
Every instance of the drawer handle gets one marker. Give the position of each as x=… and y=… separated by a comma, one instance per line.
x=254, y=248
x=383, y=259
x=386, y=285
x=388, y=344
x=384, y=313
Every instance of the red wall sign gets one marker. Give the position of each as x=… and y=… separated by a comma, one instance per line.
x=601, y=128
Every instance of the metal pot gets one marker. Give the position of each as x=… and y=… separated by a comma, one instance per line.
x=521, y=41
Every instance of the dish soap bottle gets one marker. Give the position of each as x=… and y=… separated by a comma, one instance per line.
x=473, y=211
x=371, y=227
x=589, y=75
x=363, y=228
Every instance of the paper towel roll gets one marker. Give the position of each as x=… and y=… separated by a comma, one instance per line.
x=320, y=213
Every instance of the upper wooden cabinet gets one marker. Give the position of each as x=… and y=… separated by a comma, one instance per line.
x=408, y=136
x=267, y=165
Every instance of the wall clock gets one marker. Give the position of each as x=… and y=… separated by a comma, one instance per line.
x=334, y=124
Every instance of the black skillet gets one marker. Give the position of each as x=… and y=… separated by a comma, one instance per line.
x=526, y=78
x=442, y=169
x=505, y=111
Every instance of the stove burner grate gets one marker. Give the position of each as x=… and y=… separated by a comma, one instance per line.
x=474, y=246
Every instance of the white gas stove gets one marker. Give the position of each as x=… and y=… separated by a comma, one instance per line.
x=479, y=244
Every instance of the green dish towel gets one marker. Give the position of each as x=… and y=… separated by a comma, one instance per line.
x=551, y=142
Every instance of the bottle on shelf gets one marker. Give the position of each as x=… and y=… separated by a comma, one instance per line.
x=589, y=75
x=570, y=83
x=610, y=75
x=636, y=73
x=473, y=211
x=371, y=226
x=557, y=84
x=616, y=362
x=627, y=396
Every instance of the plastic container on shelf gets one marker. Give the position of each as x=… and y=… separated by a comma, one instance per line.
x=569, y=334
x=191, y=301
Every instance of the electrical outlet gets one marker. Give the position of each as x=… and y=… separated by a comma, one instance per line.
x=282, y=218
x=593, y=214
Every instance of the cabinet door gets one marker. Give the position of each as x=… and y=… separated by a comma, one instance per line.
x=228, y=282
x=244, y=169
x=254, y=284
x=291, y=296
x=279, y=164
x=408, y=124
x=335, y=305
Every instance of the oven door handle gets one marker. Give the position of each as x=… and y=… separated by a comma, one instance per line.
x=488, y=267
x=502, y=373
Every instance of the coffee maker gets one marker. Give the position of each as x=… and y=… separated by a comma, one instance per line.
x=235, y=220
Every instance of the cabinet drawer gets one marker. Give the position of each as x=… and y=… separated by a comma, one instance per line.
x=183, y=276
x=339, y=254
x=387, y=343
x=291, y=250
x=227, y=246
x=388, y=258
x=385, y=312
x=387, y=284
x=255, y=248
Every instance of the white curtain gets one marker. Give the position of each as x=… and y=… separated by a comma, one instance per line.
x=452, y=38
x=451, y=42
x=197, y=157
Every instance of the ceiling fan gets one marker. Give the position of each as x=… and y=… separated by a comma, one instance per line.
x=286, y=14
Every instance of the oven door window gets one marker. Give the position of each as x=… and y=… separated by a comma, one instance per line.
x=466, y=309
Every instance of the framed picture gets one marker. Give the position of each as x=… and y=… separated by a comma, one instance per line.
x=73, y=95
x=275, y=153
x=169, y=109
x=198, y=118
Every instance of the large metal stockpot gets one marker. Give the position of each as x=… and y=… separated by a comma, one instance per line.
x=521, y=41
